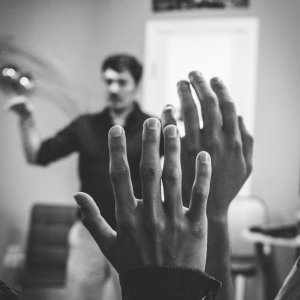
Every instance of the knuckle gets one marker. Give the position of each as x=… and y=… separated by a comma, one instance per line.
x=210, y=99
x=150, y=171
x=127, y=224
x=179, y=226
x=232, y=142
x=214, y=143
x=201, y=193
x=171, y=147
x=116, y=148
x=228, y=107
x=172, y=175
x=154, y=226
x=205, y=172
x=188, y=108
x=234, y=145
x=119, y=173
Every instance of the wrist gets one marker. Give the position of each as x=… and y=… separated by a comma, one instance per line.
x=217, y=208
x=216, y=215
x=217, y=218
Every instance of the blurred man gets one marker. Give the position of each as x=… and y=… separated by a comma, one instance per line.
x=90, y=276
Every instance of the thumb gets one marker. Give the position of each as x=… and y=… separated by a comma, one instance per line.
x=100, y=230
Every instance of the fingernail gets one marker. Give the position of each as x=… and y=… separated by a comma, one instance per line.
x=171, y=131
x=152, y=123
x=216, y=80
x=168, y=107
x=204, y=157
x=183, y=83
x=116, y=131
x=195, y=73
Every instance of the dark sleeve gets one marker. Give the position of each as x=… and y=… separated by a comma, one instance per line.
x=6, y=293
x=62, y=144
x=167, y=283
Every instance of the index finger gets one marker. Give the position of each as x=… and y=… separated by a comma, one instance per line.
x=167, y=116
x=189, y=113
x=119, y=169
x=209, y=103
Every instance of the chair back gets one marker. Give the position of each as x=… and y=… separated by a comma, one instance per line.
x=47, y=244
x=245, y=212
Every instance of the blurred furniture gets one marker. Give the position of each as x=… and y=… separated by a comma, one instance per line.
x=46, y=251
x=244, y=212
x=264, y=242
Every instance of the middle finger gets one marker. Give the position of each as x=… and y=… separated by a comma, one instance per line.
x=189, y=113
x=172, y=171
x=150, y=168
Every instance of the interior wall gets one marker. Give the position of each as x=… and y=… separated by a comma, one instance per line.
x=81, y=34
x=63, y=29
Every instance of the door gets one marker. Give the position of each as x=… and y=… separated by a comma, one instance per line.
x=226, y=48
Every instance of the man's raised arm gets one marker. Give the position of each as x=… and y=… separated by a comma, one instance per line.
x=30, y=135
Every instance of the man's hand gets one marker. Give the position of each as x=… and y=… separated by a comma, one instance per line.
x=225, y=138
x=21, y=105
x=152, y=232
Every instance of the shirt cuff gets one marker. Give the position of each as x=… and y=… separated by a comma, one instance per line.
x=167, y=283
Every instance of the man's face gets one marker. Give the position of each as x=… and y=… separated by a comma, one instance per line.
x=120, y=89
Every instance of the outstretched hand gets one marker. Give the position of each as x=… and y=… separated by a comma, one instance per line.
x=223, y=135
x=152, y=231
x=20, y=105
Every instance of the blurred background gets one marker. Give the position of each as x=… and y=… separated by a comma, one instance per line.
x=62, y=43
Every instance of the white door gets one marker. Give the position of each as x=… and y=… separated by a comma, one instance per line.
x=226, y=48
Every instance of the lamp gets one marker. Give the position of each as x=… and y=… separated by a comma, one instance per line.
x=13, y=80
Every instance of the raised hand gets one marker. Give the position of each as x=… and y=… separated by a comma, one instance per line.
x=21, y=105
x=152, y=232
x=225, y=138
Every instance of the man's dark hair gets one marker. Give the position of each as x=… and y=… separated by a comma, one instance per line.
x=124, y=62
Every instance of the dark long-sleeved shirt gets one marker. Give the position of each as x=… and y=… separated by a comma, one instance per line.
x=167, y=283
x=156, y=283
x=88, y=135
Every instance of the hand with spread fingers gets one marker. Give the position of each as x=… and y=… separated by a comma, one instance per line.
x=160, y=246
x=152, y=232
x=225, y=138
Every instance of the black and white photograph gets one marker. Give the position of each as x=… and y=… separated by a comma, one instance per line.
x=149, y=150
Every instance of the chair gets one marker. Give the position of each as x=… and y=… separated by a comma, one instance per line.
x=47, y=247
x=244, y=212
